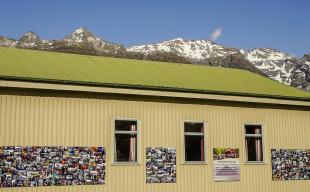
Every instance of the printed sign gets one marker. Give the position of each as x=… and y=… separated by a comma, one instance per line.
x=160, y=165
x=290, y=164
x=226, y=164
x=51, y=166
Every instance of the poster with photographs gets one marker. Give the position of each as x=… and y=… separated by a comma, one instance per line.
x=226, y=164
x=160, y=165
x=51, y=166
x=290, y=164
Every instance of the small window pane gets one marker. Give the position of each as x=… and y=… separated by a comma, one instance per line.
x=254, y=146
x=194, y=148
x=253, y=129
x=126, y=147
x=122, y=125
x=193, y=127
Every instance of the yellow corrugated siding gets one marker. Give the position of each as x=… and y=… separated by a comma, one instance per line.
x=82, y=121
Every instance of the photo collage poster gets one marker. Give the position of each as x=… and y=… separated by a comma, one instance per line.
x=51, y=166
x=160, y=165
x=290, y=164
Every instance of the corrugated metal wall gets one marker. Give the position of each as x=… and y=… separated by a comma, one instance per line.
x=82, y=121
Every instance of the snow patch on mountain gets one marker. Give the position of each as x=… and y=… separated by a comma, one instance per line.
x=7, y=42
x=271, y=62
x=196, y=49
x=263, y=54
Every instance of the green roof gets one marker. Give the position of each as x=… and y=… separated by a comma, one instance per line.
x=30, y=65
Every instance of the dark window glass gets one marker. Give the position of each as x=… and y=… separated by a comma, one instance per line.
x=125, y=143
x=122, y=125
x=254, y=147
x=253, y=129
x=194, y=148
x=126, y=147
x=193, y=127
x=254, y=142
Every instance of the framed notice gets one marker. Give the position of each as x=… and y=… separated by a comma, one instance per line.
x=226, y=164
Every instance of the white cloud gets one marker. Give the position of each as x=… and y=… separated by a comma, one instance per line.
x=216, y=34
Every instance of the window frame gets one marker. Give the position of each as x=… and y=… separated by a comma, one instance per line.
x=262, y=135
x=205, y=161
x=114, y=132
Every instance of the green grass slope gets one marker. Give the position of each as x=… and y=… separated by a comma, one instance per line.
x=61, y=67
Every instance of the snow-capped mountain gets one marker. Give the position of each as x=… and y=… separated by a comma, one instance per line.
x=83, y=36
x=195, y=49
x=79, y=41
x=29, y=40
x=275, y=64
x=281, y=66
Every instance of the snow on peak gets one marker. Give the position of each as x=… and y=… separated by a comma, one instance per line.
x=7, y=42
x=30, y=33
x=28, y=40
x=273, y=62
x=262, y=54
x=83, y=35
x=196, y=49
x=81, y=30
x=30, y=36
x=177, y=39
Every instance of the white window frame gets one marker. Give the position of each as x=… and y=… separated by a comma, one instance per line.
x=113, y=162
x=204, y=141
x=262, y=135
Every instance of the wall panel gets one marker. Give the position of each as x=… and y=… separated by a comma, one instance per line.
x=87, y=121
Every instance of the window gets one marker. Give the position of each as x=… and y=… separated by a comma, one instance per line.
x=126, y=138
x=254, y=143
x=194, y=141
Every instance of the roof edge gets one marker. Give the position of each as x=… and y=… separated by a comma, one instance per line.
x=148, y=92
x=155, y=88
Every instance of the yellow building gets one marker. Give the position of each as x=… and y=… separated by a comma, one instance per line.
x=160, y=125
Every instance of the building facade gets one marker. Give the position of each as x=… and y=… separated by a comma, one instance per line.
x=60, y=135
x=61, y=118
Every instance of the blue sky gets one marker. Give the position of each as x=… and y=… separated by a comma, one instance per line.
x=280, y=24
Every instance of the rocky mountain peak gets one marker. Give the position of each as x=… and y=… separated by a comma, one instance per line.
x=28, y=40
x=81, y=35
x=83, y=40
x=7, y=42
x=30, y=37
